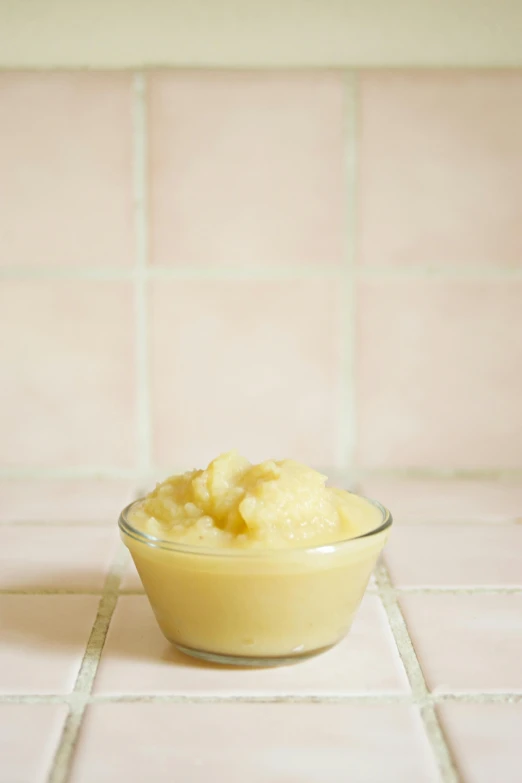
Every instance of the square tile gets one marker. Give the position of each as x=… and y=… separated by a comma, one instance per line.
x=451, y=354
x=131, y=580
x=316, y=743
x=452, y=555
x=467, y=643
x=137, y=659
x=70, y=500
x=247, y=365
x=485, y=740
x=43, y=640
x=38, y=557
x=66, y=169
x=440, y=168
x=437, y=500
x=246, y=168
x=29, y=736
x=67, y=374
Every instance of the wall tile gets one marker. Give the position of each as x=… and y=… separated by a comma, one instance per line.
x=440, y=168
x=253, y=366
x=455, y=555
x=316, y=743
x=71, y=500
x=246, y=168
x=65, y=169
x=38, y=557
x=485, y=740
x=439, y=382
x=437, y=500
x=43, y=641
x=66, y=374
x=469, y=643
x=29, y=736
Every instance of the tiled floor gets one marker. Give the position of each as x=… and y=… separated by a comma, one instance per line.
x=426, y=687
x=263, y=743
x=485, y=739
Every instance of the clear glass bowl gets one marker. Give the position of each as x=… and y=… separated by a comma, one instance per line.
x=254, y=607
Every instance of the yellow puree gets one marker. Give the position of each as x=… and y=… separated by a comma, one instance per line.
x=258, y=590
x=235, y=504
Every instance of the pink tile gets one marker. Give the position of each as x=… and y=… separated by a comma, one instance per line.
x=42, y=641
x=438, y=374
x=440, y=168
x=455, y=555
x=316, y=743
x=434, y=500
x=131, y=581
x=38, y=557
x=72, y=500
x=137, y=659
x=246, y=168
x=29, y=736
x=247, y=365
x=467, y=643
x=66, y=374
x=485, y=740
x=65, y=168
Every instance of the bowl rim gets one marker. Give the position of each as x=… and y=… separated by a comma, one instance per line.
x=129, y=530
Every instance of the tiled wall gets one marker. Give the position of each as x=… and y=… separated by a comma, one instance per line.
x=324, y=265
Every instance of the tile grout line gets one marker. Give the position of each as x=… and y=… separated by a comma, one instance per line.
x=440, y=272
x=81, y=694
x=347, y=416
x=396, y=591
x=462, y=697
x=327, y=271
x=144, y=438
x=421, y=694
x=421, y=522
x=109, y=472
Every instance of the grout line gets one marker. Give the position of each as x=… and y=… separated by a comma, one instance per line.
x=35, y=698
x=289, y=698
x=140, y=287
x=415, y=676
x=438, y=473
x=443, y=271
x=114, y=472
x=499, y=523
x=80, y=696
x=55, y=523
x=479, y=698
x=69, y=473
x=347, y=698
x=48, y=591
x=397, y=591
x=347, y=415
x=328, y=270
x=325, y=271
x=66, y=273
x=451, y=590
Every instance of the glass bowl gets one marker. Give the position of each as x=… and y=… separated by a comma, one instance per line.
x=254, y=607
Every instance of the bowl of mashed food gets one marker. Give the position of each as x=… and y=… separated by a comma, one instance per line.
x=254, y=565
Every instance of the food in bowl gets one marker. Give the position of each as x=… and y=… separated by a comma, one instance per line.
x=254, y=564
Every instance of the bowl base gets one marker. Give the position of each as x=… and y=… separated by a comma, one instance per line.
x=256, y=662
